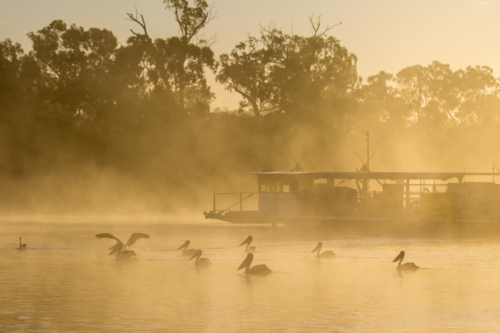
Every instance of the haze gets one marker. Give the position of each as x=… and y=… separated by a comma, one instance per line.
x=124, y=124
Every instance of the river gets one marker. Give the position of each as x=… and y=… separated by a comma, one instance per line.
x=66, y=282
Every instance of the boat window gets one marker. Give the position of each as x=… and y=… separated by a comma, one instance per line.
x=266, y=188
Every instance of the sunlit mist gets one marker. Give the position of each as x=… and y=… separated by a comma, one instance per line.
x=200, y=166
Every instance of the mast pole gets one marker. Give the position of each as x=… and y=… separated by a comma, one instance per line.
x=367, y=150
x=367, y=166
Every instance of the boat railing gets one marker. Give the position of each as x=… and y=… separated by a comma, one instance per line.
x=243, y=196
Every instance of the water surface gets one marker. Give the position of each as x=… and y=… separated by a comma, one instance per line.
x=66, y=282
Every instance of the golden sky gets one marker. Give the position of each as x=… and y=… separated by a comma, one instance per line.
x=386, y=35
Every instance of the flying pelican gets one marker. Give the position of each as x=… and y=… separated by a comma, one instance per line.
x=118, y=248
x=326, y=254
x=186, y=251
x=409, y=266
x=21, y=245
x=255, y=270
x=249, y=249
x=200, y=262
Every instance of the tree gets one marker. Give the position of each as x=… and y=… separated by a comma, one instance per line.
x=10, y=77
x=446, y=99
x=381, y=105
x=177, y=64
x=431, y=93
x=313, y=75
x=478, y=95
x=76, y=64
x=246, y=71
x=306, y=78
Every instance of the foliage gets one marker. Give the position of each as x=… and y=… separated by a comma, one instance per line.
x=79, y=101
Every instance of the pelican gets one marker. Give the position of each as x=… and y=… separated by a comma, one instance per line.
x=119, y=249
x=21, y=245
x=200, y=262
x=120, y=253
x=186, y=251
x=408, y=266
x=249, y=249
x=255, y=270
x=326, y=254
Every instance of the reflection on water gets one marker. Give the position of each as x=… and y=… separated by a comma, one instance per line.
x=66, y=282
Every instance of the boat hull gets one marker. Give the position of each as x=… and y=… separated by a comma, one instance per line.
x=370, y=226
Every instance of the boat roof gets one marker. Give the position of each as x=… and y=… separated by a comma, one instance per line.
x=376, y=175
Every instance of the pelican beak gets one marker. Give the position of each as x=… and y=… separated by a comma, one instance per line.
x=185, y=245
x=246, y=241
x=399, y=257
x=316, y=248
x=246, y=262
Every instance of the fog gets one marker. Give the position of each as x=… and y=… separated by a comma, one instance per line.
x=90, y=126
x=99, y=137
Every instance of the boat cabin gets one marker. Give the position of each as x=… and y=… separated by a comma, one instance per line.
x=428, y=196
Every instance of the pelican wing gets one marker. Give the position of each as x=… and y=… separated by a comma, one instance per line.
x=117, y=245
x=117, y=248
x=260, y=269
x=251, y=249
x=188, y=252
x=106, y=235
x=409, y=266
x=127, y=254
x=327, y=254
x=203, y=262
x=135, y=237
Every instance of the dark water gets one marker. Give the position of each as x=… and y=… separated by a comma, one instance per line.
x=66, y=282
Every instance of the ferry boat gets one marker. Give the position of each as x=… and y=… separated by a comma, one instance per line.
x=303, y=197
x=344, y=198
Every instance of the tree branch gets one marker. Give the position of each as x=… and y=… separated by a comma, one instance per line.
x=136, y=20
x=316, y=25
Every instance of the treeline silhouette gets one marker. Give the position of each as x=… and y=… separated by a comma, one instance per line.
x=91, y=126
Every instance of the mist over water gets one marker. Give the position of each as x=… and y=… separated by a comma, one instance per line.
x=91, y=125
x=67, y=282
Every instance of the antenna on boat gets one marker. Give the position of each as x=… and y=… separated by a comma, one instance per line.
x=367, y=150
x=364, y=186
x=366, y=165
x=297, y=167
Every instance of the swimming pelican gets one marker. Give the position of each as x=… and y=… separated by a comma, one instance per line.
x=21, y=245
x=255, y=270
x=249, y=249
x=409, y=266
x=200, y=262
x=118, y=247
x=326, y=254
x=186, y=251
